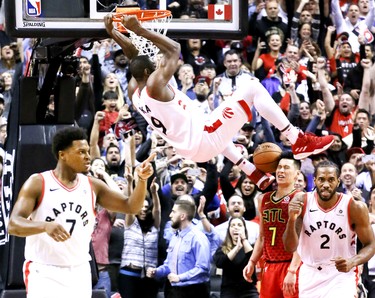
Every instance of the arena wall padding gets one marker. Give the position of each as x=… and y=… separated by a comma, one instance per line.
x=22, y=294
x=13, y=294
x=15, y=263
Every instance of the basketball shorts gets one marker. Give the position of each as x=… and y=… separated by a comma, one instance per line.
x=49, y=281
x=325, y=281
x=273, y=281
x=224, y=123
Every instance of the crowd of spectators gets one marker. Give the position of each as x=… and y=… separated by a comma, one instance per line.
x=315, y=59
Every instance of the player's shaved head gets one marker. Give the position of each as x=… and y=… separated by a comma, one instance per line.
x=138, y=66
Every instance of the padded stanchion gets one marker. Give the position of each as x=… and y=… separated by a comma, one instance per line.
x=64, y=106
x=28, y=100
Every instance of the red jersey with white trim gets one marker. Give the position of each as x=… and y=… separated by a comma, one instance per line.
x=178, y=121
x=326, y=234
x=341, y=124
x=268, y=62
x=73, y=208
x=275, y=216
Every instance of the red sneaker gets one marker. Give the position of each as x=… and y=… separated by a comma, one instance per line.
x=308, y=144
x=262, y=180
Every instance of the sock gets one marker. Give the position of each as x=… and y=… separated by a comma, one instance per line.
x=246, y=166
x=234, y=155
x=291, y=132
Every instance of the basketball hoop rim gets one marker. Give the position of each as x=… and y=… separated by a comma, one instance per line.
x=143, y=15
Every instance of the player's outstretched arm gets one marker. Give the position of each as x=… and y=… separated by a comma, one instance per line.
x=124, y=42
x=115, y=201
x=294, y=224
x=168, y=48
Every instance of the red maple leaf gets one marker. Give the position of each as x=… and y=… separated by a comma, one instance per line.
x=219, y=12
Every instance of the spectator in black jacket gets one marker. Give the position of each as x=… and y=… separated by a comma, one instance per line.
x=265, y=24
x=232, y=257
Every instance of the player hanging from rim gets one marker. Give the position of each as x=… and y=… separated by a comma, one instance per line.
x=197, y=136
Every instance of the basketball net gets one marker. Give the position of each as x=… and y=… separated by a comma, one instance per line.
x=154, y=20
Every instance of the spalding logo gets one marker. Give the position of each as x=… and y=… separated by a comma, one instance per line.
x=228, y=113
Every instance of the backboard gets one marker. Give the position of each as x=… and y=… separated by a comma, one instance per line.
x=84, y=18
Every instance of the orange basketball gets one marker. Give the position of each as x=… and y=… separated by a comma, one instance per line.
x=266, y=157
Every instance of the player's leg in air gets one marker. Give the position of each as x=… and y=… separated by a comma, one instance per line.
x=231, y=115
x=303, y=145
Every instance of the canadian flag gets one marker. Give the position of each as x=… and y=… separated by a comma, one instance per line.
x=362, y=29
x=219, y=12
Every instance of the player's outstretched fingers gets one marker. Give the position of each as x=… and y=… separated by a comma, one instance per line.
x=145, y=170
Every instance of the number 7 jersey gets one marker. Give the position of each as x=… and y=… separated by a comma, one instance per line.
x=73, y=208
x=274, y=218
x=326, y=234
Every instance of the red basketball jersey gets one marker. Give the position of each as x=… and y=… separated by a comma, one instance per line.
x=275, y=216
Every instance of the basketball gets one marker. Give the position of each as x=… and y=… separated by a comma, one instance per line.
x=266, y=157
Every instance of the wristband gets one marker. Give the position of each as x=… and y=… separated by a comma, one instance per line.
x=203, y=217
x=292, y=271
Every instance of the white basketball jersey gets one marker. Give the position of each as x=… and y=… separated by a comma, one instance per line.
x=326, y=234
x=73, y=208
x=178, y=121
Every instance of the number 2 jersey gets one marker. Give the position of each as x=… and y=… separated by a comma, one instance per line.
x=73, y=208
x=326, y=234
x=275, y=216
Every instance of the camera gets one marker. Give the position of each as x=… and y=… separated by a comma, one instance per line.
x=70, y=65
